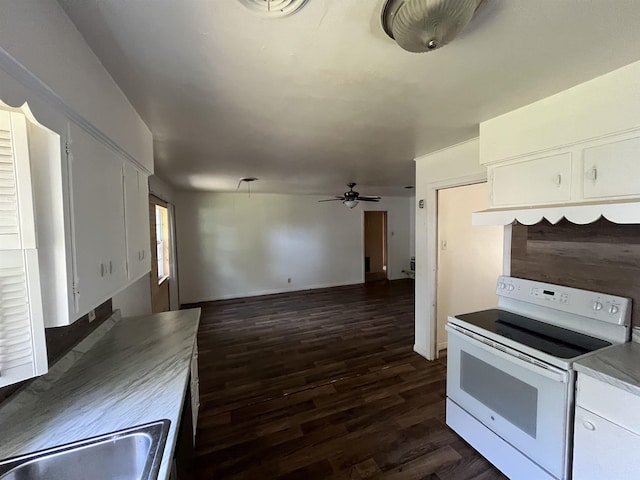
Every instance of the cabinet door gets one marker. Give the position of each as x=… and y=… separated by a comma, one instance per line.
x=612, y=170
x=98, y=225
x=602, y=449
x=533, y=182
x=137, y=220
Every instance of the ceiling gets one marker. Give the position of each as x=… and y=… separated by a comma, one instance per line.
x=314, y=100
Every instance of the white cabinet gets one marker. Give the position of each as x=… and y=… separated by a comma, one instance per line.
x=23, y=352
x=606, y=432
x=536, y=181
x=195, y=390
x=97, y=218
x=136, y=199
x=612, y=169
x=92, y=225
x=588, y=172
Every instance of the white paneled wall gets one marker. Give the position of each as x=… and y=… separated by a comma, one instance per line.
x=230, y=245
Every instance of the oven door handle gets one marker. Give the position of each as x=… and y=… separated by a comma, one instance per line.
x=511, y=356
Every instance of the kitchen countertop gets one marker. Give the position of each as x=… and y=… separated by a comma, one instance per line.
x=133, y=371
x=618, y=366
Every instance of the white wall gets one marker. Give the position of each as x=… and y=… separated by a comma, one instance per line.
x=601, y=106
x=456, y=165
x=470, y=260
x=412, y=227
x=230, y=245
x=37, y=39
x=45, y=62
x=134, y=300
x=161, y=189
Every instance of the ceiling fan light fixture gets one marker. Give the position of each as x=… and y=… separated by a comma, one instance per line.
x=273, y=8
x=426, y=25
x=350, y=203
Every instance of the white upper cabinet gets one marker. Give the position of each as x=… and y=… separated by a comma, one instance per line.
x=580, y=146
x=136, y=197
x=612, y=169
x=545, y=180
x=97, y=217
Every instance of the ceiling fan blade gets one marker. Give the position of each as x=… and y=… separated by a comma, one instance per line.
x=332, y=200
x=368, y=197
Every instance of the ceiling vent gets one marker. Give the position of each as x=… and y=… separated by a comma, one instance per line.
x=425, y=25
x=273, y=8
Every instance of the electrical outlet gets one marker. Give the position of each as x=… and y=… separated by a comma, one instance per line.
x=92, y=315
x=288, y=280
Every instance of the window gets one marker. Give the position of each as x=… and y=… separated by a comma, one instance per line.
x=162, y=242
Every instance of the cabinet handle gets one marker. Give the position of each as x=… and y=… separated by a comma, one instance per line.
x=102, y=269
x=593, y=174
x=558, y=180
x=110, y=267
x=143, y=252
x=588, y=425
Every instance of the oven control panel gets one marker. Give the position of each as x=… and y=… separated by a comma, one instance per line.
x=598, y=306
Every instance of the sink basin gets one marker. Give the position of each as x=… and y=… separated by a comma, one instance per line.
x=131, y=454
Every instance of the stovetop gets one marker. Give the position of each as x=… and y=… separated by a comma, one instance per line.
x=555, y=341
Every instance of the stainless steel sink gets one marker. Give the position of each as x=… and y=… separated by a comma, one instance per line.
x=131, y=454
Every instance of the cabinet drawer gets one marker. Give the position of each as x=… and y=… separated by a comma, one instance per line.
x=603, y=450
x=532, y=182
x=609, y=402
x=612, y=170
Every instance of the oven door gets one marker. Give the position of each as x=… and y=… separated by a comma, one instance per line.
x=523, y=403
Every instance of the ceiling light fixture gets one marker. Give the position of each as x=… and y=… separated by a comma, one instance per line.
x=350, y=203
x=426, y=25
x=248, y=181
x=273, y=8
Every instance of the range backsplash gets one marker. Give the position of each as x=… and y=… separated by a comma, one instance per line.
x=601, y=256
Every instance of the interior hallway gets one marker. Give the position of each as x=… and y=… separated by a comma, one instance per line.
x=324, y=384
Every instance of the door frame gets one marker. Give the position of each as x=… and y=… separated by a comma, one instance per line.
x=431, y=260
x=385, y=246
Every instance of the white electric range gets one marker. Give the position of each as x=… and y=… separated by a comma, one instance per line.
x=510, y=381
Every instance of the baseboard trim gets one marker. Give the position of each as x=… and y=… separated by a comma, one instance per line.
x=442, y=346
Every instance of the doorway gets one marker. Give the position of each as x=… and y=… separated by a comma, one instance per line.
x=470, y=258
x=160, y=254
x=375, y=246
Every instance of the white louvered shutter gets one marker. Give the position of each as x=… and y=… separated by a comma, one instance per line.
x=22, y=343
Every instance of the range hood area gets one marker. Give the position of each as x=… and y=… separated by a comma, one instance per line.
x=621, y=211
x=574, y=156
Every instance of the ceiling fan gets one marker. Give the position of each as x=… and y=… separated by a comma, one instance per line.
x=351, y=198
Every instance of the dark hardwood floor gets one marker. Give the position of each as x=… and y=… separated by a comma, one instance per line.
x=324, y=384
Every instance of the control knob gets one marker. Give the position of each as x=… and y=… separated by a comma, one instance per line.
x=597, y=306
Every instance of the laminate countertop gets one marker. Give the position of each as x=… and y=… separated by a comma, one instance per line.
x=618, y=366
x=135, y=371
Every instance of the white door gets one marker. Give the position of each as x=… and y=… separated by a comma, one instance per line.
x=469, y=257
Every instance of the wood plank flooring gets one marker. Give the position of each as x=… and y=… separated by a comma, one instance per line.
x=324, y=384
